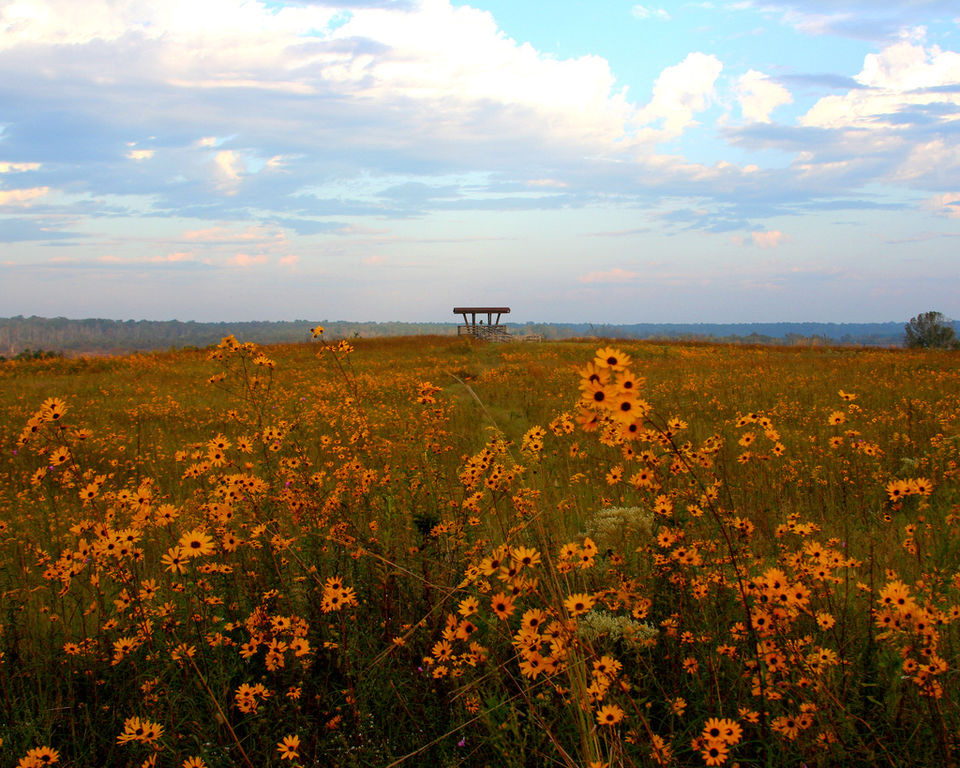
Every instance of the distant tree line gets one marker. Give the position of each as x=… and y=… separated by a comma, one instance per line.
x=854, y=334
x=67, y=335
x=60, y=334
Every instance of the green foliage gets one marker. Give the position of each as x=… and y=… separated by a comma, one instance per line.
x=930, y=330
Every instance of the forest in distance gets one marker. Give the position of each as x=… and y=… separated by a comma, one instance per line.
x=97, y=336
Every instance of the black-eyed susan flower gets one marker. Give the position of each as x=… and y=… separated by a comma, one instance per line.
x=608, y=666
x=597, y=394
x=502, y=605
x=610, y=714
x=525, y=557
x=920, y=486
x=468, y=606
x=533, y=440
x=144, y=731
x=175, y=560
x=608, y=357
x=288, y=747
x=786, y=726
x=196, y=543
x=532, y=619
x=714, y=752
x=625, y=407
x=39, y=757
x=579, y=603
x=465, y=630
x=592, y=373
x=897, y=489
x=53, y=409
x=722, y=729
x=532, y=664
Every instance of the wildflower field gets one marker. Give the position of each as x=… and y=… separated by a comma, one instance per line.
x=424, y=551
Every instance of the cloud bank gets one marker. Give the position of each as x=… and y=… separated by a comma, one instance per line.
x=326, y=138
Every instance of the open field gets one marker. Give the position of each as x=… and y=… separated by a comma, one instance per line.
x=426, y=551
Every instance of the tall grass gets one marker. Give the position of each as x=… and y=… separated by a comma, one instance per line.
x=394, y=552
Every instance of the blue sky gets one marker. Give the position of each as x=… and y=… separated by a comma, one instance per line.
x=607, y=162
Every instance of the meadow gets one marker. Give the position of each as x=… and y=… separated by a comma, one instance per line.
x=424, y=550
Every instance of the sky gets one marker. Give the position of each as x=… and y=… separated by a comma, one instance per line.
x=575, y=160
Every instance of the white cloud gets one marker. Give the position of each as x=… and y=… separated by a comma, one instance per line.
x=170, y=258
x=902, y=76
x=290, y=260
x=935, y=163
x=759, y=96
x=761, y=239
x=190, y=31
x=396, y=88
x=277, y=163
x=642, y=12
x=681, y=91
x=905, y=66
x=768, y=239
x=286, y=86
x=859, y=19
x=229, y=168
x=255, y=233
x=554, y=183
x=18, y=167
x=229, y=164
x=246, y=260
x=457, y=57
x=22, y=197
x=947, y=204
x=140, y=154
x=446, y=71
x=615, y=275
x=902, y=122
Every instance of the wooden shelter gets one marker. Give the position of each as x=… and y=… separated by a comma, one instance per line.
x=491, y=331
